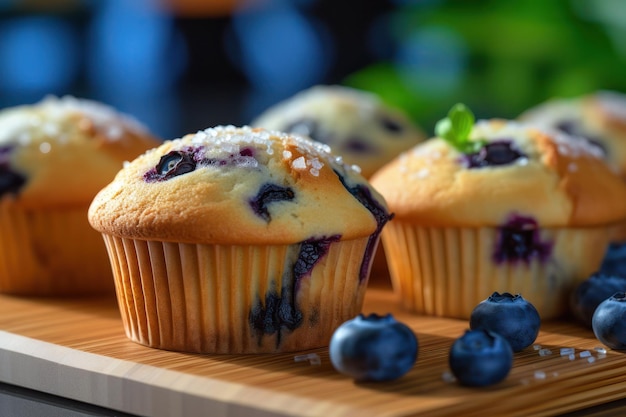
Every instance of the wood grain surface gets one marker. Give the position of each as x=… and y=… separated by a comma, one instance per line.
x=77, y=349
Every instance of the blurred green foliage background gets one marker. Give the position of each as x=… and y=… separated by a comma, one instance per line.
x=184, y=65
x=499, y=57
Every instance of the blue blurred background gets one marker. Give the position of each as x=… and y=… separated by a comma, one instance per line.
x=183, y=65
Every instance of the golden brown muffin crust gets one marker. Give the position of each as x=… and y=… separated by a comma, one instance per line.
x=214, y=203
x=560, y=182
x=68, y=149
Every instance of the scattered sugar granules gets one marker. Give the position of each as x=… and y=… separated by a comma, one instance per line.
x=312, y=358
x=447, y=376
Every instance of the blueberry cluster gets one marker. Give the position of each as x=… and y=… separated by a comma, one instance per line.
x=379, y=348
x=600, y=304
x=500, y=325
x=588, y=295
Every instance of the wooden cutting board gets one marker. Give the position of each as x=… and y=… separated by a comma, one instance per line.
x=77, y=349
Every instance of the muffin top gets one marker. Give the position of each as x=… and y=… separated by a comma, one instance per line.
x=499, y=169
x=61, y=151
x=229, y=185
x=598, y=117
x=356, y=124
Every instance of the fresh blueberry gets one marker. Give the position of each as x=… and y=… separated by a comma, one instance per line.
x=480, y=358
x=614, y=262
x=494, y=153
x=519, y=240
x=609, y=321
x=373, y=348
x=511, y=316
x=590, y=293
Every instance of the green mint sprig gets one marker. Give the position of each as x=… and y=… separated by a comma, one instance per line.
x=456, y=129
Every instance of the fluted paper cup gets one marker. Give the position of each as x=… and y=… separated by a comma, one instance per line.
x=51, y=253
x=234, y=299
x=448, y=271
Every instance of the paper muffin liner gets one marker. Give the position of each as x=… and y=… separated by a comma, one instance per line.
x=233, y=299
x=448, y=271
x=51, y=253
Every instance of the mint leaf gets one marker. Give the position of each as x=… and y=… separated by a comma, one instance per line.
x=457, y=127
x=462, y=120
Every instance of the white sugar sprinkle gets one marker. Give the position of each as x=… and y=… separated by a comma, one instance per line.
x=540, y=375
x=571, y=356
x=545, y=352
x=567, y=351
x=299, y=163
x=448, y=376
x=591, y=359
x=585, y=354
x=44, y=147
x=536, y=347
x=287, y=154
x=315, y=163
x=312, y=358
x=600, y=350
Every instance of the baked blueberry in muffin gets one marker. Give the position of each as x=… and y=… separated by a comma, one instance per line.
x=10, y=181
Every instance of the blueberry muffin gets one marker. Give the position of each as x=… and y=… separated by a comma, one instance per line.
x=55, y=156
x=496, y=206
x=598, y=117
x=238, y=240
x=356, y=124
